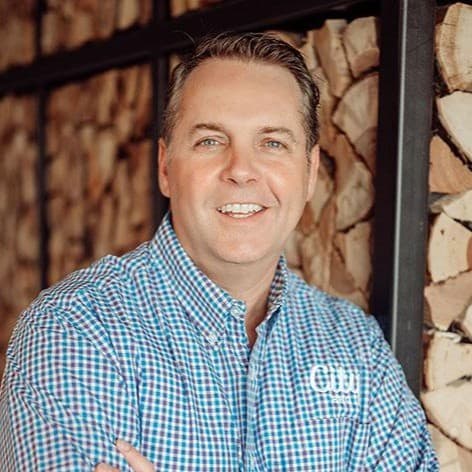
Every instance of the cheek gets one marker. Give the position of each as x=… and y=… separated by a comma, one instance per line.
x=186, y=188
x=289, y=183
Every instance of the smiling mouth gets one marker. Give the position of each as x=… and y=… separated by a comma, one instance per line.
x=240, y=210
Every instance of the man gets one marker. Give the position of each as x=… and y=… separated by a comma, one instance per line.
x=200, y=349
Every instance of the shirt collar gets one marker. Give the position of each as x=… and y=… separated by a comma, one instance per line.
x=206, y=304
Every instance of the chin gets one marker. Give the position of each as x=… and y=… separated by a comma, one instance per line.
x=244, y=256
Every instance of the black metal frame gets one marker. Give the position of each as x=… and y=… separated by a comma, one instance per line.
x=405, y=107
x=401, y=210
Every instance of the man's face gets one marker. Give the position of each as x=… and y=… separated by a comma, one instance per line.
x=236, y=169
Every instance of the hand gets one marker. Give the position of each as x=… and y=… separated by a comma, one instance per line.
x=134, y=458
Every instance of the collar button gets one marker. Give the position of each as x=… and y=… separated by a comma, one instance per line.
x=236, y=311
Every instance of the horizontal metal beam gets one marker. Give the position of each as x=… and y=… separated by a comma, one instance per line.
x=122, y=49
x=163, y=36
x=246, y=15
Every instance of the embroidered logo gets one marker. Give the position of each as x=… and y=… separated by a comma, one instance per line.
x=340, y=382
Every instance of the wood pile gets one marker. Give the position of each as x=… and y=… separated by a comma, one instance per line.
x=19, y=235
x=448, y=294
x=70, y=24
x=179, y=7
x=331, y=247
x=17, y=32
x=98, y=169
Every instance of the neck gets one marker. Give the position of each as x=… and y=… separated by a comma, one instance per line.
x=249, y=283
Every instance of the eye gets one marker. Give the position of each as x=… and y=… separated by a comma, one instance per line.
x=208, y=142
x=273, y=144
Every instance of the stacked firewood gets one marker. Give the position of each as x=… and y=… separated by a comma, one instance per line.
x=98, y=170
x=331, y=247
x=17, y=32
x=179, y=7
x=19, y=235
x=68, y=23
x=448, y=295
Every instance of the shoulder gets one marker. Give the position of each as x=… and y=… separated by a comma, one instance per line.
x=89, y=301
x=340, y=322
x=102, y=283
x=331, y=311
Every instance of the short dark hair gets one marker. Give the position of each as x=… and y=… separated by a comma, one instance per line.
x=257, y=47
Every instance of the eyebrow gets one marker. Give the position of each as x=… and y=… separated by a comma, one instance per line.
x=212, y=126
x=207, y=127
x=279, y=129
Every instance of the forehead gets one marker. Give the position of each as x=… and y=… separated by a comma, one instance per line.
x=246, y=90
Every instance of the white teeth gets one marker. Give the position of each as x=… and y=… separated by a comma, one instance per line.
x=240, y=210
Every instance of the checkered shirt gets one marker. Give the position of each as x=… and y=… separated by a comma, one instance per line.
x=146, y=348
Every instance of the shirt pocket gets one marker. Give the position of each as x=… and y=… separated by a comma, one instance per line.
x=330, y=444
x=331, y=428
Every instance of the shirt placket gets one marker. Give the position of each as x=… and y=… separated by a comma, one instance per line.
x=255, y=363
x=241, y=351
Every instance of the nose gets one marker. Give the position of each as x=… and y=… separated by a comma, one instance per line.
x=240, y=166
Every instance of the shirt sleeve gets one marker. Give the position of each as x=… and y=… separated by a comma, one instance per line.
x=63, y=401
x=400, y=439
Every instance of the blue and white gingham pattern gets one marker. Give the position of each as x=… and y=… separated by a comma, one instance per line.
x=146, y=348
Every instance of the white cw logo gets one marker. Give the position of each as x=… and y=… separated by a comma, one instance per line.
x=333, y=379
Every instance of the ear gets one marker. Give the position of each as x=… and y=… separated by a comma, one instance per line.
x=163, y=168
x=313, y=171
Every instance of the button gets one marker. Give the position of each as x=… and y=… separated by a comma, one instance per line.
x=236, y=311
x=212, y=339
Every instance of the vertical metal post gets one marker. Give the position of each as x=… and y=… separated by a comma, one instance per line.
x=41, y=95
x=41, y=186
x=40, y=8
x=405, y=109
x=159, y=65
